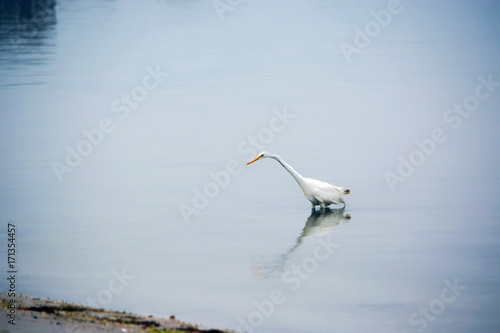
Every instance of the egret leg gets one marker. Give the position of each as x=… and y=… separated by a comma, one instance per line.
x=322, y=205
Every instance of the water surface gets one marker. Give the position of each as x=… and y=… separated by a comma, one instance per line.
x=119, y=209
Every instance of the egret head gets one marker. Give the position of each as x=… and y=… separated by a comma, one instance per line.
x=262, y=154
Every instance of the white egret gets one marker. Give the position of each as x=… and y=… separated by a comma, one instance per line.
x=317, y=192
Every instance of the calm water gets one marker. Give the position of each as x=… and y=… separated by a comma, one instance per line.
x=119, y=208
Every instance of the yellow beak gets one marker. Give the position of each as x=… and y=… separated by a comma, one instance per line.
x=255, y=159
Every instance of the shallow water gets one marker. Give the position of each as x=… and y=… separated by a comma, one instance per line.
x=120, y=207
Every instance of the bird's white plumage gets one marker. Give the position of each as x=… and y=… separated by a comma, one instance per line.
x=316, y=191
x=319, y=192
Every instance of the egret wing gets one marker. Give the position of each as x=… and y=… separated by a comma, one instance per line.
x=327, y=193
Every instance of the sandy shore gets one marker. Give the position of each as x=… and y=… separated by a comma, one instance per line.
x=43, y=316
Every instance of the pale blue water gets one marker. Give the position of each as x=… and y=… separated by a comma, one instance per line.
x=349, y=123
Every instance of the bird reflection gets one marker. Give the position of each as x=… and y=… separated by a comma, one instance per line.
x=319, y=223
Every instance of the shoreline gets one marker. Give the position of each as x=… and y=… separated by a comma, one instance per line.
x=44, y=315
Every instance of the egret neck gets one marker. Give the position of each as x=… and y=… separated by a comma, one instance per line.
x=297, y=176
